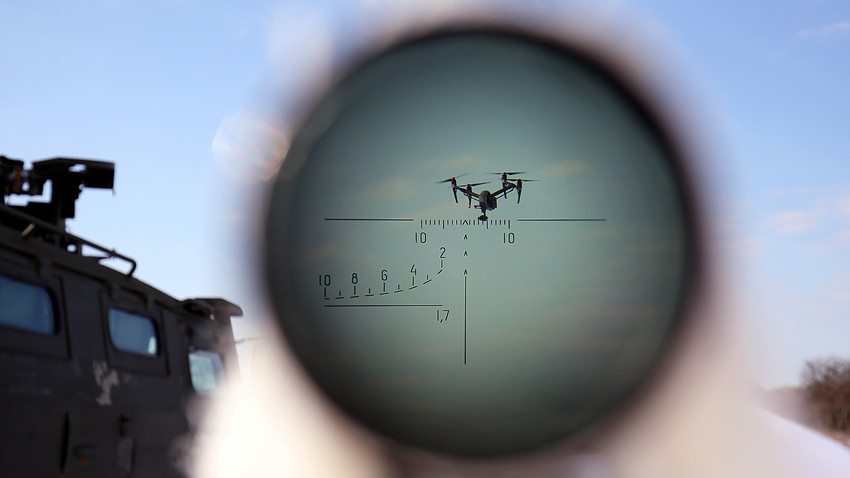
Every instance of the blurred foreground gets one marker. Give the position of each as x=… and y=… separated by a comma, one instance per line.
x=700, y=421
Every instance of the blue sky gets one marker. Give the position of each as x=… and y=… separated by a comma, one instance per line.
x=158, y=86
x=779, y=74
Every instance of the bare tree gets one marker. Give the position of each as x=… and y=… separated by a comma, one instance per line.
x=826, y=383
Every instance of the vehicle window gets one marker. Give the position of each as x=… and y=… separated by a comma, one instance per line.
x=132, y=333
x=205, y=368
x=26, y=307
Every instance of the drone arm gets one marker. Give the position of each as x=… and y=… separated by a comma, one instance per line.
x=504, y=190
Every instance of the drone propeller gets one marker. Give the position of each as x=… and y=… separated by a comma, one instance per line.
x=509, y=173
x=453, y=178
x=476, y=184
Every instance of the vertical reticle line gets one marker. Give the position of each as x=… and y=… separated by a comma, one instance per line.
x=464, y=319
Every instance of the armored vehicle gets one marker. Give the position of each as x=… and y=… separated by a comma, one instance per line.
x=97, y=368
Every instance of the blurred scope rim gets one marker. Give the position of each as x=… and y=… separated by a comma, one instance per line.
x=618, y=65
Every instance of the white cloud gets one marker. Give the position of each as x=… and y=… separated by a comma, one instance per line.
x=815, y=223
x=843, y=237
x=301, y=49
x=842, y=204
x=825, y=247
x=390, y=189
x=796, y=221
x=779, y=55
x=563, y=168
x=413, y=13
x=744, y=247
x=831, y=31
x=323, y=252
x=838, y=288
x=458, y=165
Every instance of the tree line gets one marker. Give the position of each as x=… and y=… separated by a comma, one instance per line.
x=825, y=384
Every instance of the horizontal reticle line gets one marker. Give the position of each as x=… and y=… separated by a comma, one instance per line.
x=368, y=219
x=336, y=306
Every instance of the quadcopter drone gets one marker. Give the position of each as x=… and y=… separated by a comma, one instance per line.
x=487, y=199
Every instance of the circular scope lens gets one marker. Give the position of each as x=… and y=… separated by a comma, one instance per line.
x=479, y=243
